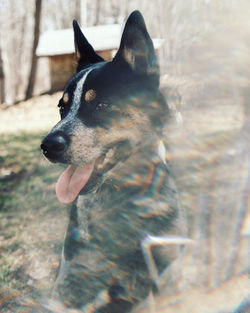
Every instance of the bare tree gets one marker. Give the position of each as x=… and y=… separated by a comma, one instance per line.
x=97, y=12
x=246, y=106
x=84, y=13
x=33, y=68
x=78, y=10
x=115, y=11
x=2, y=87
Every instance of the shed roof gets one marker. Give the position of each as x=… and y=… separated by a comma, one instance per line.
x=101, y=37
x=57, y=42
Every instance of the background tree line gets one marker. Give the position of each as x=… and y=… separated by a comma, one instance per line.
x=202, y=37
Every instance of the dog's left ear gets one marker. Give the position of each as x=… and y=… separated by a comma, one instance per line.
x=136, y=49
x=85, y=53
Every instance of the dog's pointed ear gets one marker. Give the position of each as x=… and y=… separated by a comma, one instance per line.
x=136, y=48
x=85, y=53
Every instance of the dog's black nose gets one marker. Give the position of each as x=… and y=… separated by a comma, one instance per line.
x=54, y=145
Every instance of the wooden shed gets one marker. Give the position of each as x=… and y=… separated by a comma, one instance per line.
x=58, y=46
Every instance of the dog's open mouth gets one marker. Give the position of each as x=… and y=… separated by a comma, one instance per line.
x=75, y=178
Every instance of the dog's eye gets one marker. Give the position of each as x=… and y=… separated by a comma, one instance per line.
x=61, y=109
x=102, y=106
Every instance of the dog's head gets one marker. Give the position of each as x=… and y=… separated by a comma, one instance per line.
x=107, y=109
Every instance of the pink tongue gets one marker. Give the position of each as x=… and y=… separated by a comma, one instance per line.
x=71, y=181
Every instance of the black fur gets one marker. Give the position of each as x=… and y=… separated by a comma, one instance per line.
x=134, y=195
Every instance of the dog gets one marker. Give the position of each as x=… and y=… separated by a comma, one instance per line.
x=118, y=178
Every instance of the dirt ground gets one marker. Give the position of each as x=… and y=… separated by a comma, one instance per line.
x=32, y=232
x=35, y=115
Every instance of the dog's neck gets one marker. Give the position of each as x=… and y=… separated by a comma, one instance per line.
x=135, y=168
x=139, y=163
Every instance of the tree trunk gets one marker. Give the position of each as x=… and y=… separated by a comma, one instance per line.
x=2, y=88
x=97, y=12
x=246, y=107
x=78, y=10
x=33, y=68
x=115, y=9
x=83, y=13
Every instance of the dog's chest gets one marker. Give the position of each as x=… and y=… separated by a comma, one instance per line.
x=108, y=226
x=84, y=205
x=131, y=207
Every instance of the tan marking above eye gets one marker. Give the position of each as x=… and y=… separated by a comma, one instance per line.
x=66, y=97
x=90, y=95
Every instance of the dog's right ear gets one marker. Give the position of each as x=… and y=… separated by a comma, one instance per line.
x=85, y=53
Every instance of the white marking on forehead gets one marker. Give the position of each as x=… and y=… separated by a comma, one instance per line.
x=78, y=93
x=70, y=119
